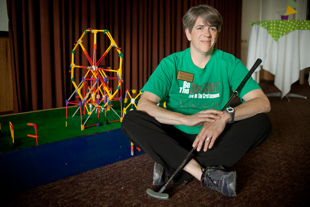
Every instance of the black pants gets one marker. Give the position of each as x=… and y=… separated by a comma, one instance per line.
x=169, y=146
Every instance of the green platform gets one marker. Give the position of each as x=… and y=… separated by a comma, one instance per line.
x=51, y=127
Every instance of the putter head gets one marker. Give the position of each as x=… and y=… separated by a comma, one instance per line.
x=158, y=195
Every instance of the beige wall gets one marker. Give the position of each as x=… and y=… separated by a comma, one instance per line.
x=250, y=13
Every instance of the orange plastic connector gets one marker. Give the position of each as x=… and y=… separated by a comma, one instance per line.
x=34, y=136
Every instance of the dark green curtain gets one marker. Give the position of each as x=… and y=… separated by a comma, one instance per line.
x=42, y=35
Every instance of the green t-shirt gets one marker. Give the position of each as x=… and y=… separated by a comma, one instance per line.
x=197, y=89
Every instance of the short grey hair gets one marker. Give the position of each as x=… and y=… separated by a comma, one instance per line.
x=206, y=12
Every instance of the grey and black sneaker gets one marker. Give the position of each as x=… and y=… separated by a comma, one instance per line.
x=159, y=175
x=217, y=178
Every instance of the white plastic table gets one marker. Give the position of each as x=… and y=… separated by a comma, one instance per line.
x=284, y=47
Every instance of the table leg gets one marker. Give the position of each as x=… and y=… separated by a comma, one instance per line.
x=292, y=95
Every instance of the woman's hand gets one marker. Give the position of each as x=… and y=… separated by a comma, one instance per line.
x=202, y=117
x=210, y=132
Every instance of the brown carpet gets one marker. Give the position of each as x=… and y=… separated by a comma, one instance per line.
x=275, y=174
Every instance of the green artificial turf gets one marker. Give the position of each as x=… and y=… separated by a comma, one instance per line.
x=51, y=127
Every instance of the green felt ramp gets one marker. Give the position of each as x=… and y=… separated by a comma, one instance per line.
x=51, y=127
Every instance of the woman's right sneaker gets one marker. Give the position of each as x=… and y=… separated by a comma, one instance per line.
x=217, y=178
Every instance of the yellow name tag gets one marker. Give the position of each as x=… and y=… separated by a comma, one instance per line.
x=185, y=76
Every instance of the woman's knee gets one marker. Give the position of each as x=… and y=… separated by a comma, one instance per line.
x=263, y=122
x=136, y=118
x=128, y=119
